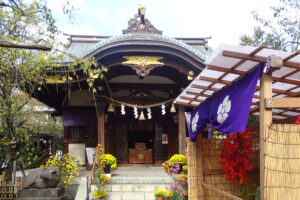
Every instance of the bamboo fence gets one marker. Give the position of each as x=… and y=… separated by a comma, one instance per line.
x=282, y=162
x=10, y=190
x=206, y=177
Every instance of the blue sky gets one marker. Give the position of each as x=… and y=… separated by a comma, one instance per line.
x=224, y=20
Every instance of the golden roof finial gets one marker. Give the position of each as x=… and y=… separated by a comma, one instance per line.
x=142, y=10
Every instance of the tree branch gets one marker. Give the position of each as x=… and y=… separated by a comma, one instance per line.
x=22, y=45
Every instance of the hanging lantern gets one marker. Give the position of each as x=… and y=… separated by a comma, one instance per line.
x=110, y=108
x=173, y=110
x=142, y=117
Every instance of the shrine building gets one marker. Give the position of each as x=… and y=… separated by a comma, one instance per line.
x=144, y=71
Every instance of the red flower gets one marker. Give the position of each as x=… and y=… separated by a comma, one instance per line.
x=235, y=156
x=297, y=120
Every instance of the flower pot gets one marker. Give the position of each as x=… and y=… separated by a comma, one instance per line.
x=107, y=169
x=160, y=198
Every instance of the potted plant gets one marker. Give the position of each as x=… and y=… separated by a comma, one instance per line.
x=168, y=195
x=179, y=159
x=185, y=169
x=166, y=166
x=159, y=194
x=108, y=162
x=99, y=194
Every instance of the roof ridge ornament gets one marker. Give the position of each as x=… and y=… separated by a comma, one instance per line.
x=139, y=24
x=143, y=64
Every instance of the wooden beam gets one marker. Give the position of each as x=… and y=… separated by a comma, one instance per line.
x=197, y=94
x=222, y=69
x=101, y=122
x=214, y=80
x=238, y=55
x=185, y=104
x=282, y=103
x=145, y=86
x=255, y=51
x=191, y=99
x=21, y=45
x=181, y=130
x=239, y=72
x=265, y=121
x=291, y=56
x=204, y=88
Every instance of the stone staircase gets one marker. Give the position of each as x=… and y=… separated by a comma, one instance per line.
x=135, y=183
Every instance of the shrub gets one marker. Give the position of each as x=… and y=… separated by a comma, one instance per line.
x=185, y=168
x=100, y=178
x=165, y=164
x=67, y=166
x=169, y=193
x=178, y=158
x=179, y=188
x=99, y=194
x=107, y=159
x=159, y=193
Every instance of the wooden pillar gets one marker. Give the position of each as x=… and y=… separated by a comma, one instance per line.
x=199, y=158
x=181, y=130
x=101, y=122
x=66, y=137
x=195, y=169
x=192, y=169
x=265, y=121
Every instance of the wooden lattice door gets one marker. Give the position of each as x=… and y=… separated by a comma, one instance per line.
x=120, y=144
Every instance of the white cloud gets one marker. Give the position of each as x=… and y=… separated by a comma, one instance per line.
x=80, y=30
x=225, y=21
x=100, y=13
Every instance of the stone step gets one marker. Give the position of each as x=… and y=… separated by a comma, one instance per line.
x=129, y=183
x=141, y=180
x=130, y=196
x=131, y=188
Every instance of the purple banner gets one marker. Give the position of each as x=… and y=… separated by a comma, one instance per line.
x=79, y=116
x=227, y=111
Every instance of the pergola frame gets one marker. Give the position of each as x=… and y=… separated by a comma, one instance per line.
x=235, y=64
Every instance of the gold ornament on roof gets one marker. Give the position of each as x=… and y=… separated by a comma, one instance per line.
x=57, y=79
x=143, y=64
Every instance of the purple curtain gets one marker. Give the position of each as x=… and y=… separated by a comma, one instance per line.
x=227, y=111
x=79, y=116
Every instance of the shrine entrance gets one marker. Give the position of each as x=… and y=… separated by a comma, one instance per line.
x=145, y=137
x=141, y=142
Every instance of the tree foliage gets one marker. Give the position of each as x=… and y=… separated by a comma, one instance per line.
x=281, y=32
x=24, y=69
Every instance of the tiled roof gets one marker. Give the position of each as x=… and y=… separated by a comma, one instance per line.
x=82, y=50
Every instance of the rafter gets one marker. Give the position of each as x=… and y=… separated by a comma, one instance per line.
x=233, y=54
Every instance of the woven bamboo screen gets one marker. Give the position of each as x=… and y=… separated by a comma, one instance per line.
x=282, y=162
x=213, y=174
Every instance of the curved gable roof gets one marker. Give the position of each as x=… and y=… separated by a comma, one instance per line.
x=82, y=50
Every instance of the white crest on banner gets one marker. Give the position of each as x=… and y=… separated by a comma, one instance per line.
x=224, y=109
x=194, y=122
